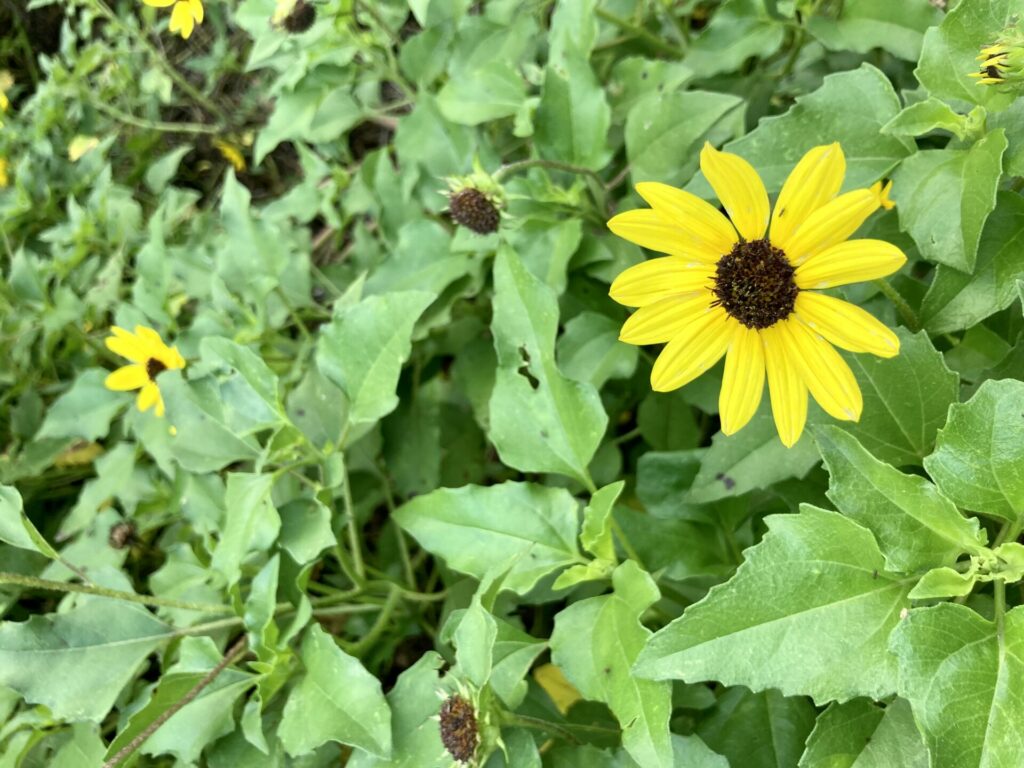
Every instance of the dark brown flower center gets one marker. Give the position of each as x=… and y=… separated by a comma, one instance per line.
x=474, y=210
x=154, y=367
x=458, y=728
x=754, y=283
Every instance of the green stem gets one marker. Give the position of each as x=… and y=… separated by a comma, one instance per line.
x=371, y=637
x=351, y=523
x=535, y=723
x=537, y=162
x=624, y=541
x=32, y=582
x=155, y=125
x=905, y=310
x=648, y=37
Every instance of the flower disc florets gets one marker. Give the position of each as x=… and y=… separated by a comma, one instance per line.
x=459, y=731
x=754, y=283
x=475, y=201
x=301, y=18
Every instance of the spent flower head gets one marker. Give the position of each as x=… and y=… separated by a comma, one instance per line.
x=150, y=357
x=748, y=287
x=475, y=201
x=468, y=721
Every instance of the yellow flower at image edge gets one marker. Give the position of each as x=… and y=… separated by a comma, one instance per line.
x=184, y=16
x=747, y=289
x=150, y=357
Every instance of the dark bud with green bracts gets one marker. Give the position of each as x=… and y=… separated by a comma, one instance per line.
x=301, y=18
x=459, y=731
x=474, y=210
x=122, y=535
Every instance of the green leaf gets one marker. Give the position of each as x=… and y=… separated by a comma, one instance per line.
x=597, y=521
x=363, y=347
x=950, y=52
x=336, y=700
x=979, y=456
x=941, y=583
x=540, y=421
x=478, y=530
x=513, y=655
x=915, y=525
x=866, y=24
x=248, y=366
x=414, y=705
x=84, y=748
x=752, y=458
x=492, y=91
x=306, y=529
x=664, y=131
x=758, y=730
x=76, y=663
x=474, y=641
x=956, y=300
x=590, y=351
x=925, y=116
x=15, y=527
x=944, y=196
x=905, y=400
x=85, y=410
x=572, y=120
x=251, y=523
x=736, y=636
x=738, y=30
x=850, y=107
x=957, y=667
x=859, y=734
x=595, y=643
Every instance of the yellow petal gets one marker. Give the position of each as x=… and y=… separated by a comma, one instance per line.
x=698, y=347
x=556, y=686
x=743, y=382
x=149, y=396
x=832, y=223
x=651, y=229
x=181, y=19
x=706, y=223
x=814, y=181
x=852, y=261
x=657, y=278
x=664, y=320
x=159, y=410
x=827, y=376
x=196, y=7
x=846, y=325
x=739, y=189
x=126, y=378
x=787, y=390
x=126, y=344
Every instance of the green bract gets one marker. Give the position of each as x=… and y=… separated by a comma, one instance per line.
x=405, y=458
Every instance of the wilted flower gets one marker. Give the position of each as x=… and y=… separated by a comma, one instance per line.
x=747, y=289
x=475, y=202
x=150, y=357
x=459, y=731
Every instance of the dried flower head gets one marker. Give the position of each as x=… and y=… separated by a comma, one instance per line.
x=459, y=731
x=475, y=202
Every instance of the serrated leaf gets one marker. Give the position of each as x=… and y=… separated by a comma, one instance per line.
x=736, y=636
x=363, y=347
x=595, y=643
x=944, y=196
x=979, y=455
x=862, y=25
x=596, y=536
x=738, y=30
x=915, y=525
x=85, y=410
x=248, y=365
x=958, y=667
x=905, y=400
x=76, y=663
x=849, y=106
x=956, y=300
x=478, y=530
x=540, y=421
x=336, y=700
x=924, y=116
x=860, y=734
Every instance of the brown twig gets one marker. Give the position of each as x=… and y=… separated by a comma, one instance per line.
x=233, y=654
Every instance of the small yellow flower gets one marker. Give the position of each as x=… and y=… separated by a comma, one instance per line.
x=150, y=357
x=748, y=289
x=231, y=153
x=1003, y=61
x=4, y=179
x=184, y=16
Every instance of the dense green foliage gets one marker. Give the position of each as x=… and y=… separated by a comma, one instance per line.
x=406, y=459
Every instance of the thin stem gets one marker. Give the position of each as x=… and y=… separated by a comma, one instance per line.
x=32, y=582
x=905, y=310
x=624, y=541
x=234, y=653
x=648, y=37
x=155, y=125
x=535, y=723
x=537, y=162
x=351, y=523
x=364, y=643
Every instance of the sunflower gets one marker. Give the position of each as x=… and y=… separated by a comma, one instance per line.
x=150, y=357
x=748, y=289
x=184, y=16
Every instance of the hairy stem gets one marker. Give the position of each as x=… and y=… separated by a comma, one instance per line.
x=32, y=582
x=906, y=312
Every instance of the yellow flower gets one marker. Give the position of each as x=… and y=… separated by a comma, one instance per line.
x=184, y=16
x=4, y=179
x=1003, y=61
x=150, y=357
x=231, y=153
x=748, y=289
